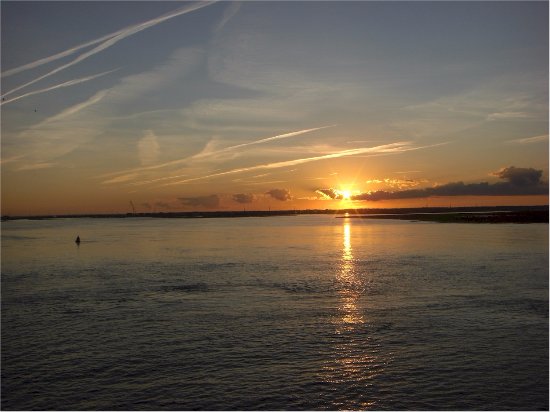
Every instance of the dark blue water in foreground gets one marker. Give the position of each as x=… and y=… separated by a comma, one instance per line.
x=307, y=312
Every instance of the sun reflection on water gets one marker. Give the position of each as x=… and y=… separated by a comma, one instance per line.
x=355, y=360
x=349, y=284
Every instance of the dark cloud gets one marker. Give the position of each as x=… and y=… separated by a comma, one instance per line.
x=210, y=202
x=329, y=193
x=519, y=181
x=279, y=194
x=520, y=176
x=243, y=198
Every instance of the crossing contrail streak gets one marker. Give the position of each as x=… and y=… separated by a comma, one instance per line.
x=387, y=148
x=205, y=155
x=57, y=56
x=105, y=42
x=58, y=86
x=268, y=139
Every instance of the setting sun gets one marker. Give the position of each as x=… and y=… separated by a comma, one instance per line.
x=346, y=194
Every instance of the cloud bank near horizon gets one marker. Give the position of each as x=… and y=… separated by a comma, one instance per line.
x=518, y=181
x=243, y=198
x=279, y=194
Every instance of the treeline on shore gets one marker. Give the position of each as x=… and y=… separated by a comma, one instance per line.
x=483, y=214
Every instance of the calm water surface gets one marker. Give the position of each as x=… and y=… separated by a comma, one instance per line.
x=306, y=312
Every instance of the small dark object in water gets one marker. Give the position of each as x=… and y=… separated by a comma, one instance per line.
x=77, y=241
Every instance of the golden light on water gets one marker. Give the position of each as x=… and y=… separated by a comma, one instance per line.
x=354, y=360
x=347, y=255
x=349, y=283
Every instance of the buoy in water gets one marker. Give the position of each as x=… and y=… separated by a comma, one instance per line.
x=77, y=241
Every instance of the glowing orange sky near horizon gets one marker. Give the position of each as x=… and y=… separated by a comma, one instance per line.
x=229, y=112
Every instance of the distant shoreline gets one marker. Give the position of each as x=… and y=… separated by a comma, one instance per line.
x=520, y=216
x=482, y=214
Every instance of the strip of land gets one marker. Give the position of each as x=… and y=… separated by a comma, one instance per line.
x=488, y=214
x=524, y=216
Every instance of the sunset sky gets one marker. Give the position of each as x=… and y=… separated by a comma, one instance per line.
x=283, y=105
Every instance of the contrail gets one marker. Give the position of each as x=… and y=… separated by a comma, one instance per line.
x=528, y=140
x=57, y=86
x=174, y=162
x=108, y=41
x=268, y=139
x=57, y=56
x=387, y=148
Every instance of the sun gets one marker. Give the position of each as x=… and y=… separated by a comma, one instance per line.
x=346, y=194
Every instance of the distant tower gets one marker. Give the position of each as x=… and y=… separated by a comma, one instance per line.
x=133, y=208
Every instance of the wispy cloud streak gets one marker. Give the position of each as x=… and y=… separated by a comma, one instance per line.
x=203, y=155
x=96, y=98
x=108, y=41
x=229, y=12
x=388, y=148
x=529, y=140
x=267, y=139
x=58, y=56
x=58, y=86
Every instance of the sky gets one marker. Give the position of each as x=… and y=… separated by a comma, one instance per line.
x=256, y=105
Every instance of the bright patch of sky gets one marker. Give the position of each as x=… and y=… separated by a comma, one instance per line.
x=119, y=97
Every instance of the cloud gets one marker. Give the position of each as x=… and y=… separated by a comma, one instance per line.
x=10, y=159
x=106, y=42
x=81, y=123
x=519, y=176
x=395, y=183
x=71, y=111
x=148, y=148
x=329, y=193
x=243, y=198
x=529, y=140
x=52, y=139
x=57, y=135
x=507, y=116
x=121, y=178
x=208, y=151
x=57, y=86
x=266, y=182
x=36, y=166
x=57, y=56
x=180, y=63
x=228, y=13
x=279, y=194
x=267, y=139
x=208, y=202
x=519, y=181
x=388, y=148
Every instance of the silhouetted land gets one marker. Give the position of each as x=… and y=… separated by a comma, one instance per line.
x=521, y=216
x=486, y=214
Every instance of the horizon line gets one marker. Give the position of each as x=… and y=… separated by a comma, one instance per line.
x=243, y=213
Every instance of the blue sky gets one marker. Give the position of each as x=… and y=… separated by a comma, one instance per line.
x=222, y=99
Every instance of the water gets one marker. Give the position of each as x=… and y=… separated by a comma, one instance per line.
x=306, y=312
